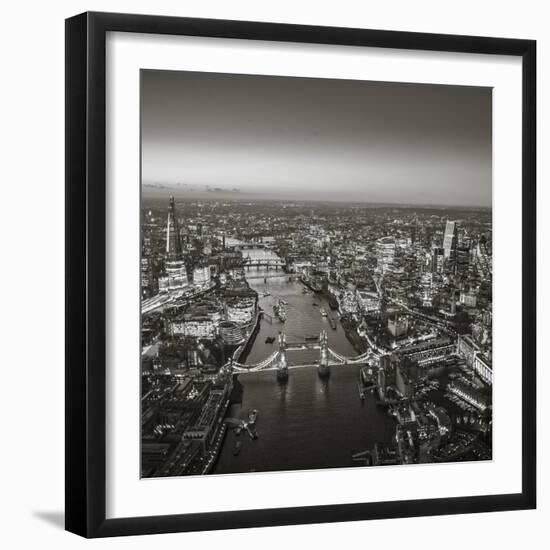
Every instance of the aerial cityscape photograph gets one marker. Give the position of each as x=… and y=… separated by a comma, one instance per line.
x=316, y=273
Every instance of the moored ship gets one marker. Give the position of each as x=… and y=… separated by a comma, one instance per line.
x=311, y=284
x=280, y=311
x=368, y=378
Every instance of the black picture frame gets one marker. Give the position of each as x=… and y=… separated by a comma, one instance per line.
x=86, y=284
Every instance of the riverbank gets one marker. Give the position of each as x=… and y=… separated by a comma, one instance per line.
x=236, y=396
x=355, y=339
x=241, y=353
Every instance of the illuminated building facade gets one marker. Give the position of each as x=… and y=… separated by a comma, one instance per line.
x=369, y=302
x=450, y=241
x=201, y=275
x=240, y=310
x=385, y=253
x=195, y=327
x=231, y=333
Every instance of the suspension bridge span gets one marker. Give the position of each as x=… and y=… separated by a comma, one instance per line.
x=278, y=360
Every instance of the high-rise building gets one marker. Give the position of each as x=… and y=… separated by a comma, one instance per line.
x=450, y=241
x=426, y=289
x=438, y=256
x=462, y=258
x=385, y=253
x=176, y=273
x=174, y=249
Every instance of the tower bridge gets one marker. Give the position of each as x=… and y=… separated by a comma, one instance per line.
x=278, y=360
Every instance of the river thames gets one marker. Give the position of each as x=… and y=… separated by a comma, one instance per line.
x=307, y=422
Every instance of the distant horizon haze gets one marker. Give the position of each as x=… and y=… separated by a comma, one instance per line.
x=165, y=192
x=292, y=138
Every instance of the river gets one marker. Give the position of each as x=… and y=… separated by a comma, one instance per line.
x=307, y=422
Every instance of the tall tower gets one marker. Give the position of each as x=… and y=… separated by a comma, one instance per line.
x=174, y=249
x=450, y=242
x=176, y=273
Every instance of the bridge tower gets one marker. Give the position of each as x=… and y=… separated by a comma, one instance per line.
x=324, y=369
x=282, y=364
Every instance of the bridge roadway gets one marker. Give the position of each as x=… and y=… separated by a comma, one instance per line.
x=245, y=245
x=302, y=366
x=273, y=276
x=278, y=358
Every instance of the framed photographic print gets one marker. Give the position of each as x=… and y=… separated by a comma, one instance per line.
x=300, y=274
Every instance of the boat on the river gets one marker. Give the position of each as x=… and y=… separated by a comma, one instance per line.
x=237, y=448
x=315, y=304
x=252, y=416
x=323, y=312
x=280, y=311
x=369, y=377
x=270, y=340
x=311, y=337
x=332, y=323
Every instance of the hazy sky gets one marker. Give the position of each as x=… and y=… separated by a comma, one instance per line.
x=316, y=138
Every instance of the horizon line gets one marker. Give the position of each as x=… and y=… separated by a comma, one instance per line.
x=331, y=201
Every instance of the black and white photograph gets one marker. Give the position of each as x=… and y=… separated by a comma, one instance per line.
x=316, y=273
x=274, y=275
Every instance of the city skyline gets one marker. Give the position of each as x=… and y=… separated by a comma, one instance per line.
x=337, y=140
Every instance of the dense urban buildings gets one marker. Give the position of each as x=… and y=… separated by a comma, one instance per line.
x=274, y=332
